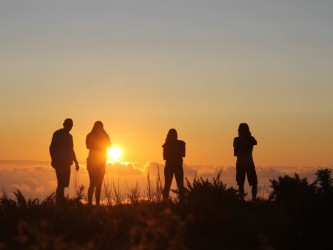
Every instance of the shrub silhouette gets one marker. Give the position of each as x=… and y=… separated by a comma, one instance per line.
x=289, y=188
x=297, y=216
x=210, y=205
x=309, y=205
x=203, y=192
x=324, y=182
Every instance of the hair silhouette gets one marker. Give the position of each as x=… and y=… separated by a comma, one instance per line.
x=173, y=153
x=97, y=142
x=244, y=129
x=171, y=136
x=243, y=147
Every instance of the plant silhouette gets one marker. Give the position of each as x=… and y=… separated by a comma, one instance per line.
x=213, y=216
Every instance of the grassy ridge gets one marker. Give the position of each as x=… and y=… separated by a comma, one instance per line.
x=298, y=215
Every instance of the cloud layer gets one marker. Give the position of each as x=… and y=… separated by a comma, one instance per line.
x=37, y=179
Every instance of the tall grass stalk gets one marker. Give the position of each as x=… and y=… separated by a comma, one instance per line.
x=134, y=194
x=78, y=189
x=263, y=192
x=116, y=193
x=150, y=189
x=159, y=185
x=107, y=191
x=154, y=194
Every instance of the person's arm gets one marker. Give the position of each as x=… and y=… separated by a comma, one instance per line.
x=77, y=167
x=235, y=146
x=108, y=141
x=52, y=149
x=182, y=148
x=164, y=152
x=88, y=142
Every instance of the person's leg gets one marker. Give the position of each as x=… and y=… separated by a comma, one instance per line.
x=179, y=174
x=253, y=180
x=254, y=192
x=241, y=191
x=168, y=173
x=60, y=194
x=98, y=194
x=91, y=186
x=63, y=176
x=99, y=181
x=240, y=178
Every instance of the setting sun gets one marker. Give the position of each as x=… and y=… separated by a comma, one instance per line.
x=114, y=154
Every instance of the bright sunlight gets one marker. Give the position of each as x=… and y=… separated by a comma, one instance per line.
x=114, y=154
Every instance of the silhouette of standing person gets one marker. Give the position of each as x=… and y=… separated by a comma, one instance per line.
x=173, y=153
x=62, y=156
x=243, y=147
x=97, y=142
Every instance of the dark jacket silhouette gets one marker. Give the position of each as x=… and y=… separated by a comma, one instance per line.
x=97, y=141
x=173, y=153
x=62, y=157
x=243, y=148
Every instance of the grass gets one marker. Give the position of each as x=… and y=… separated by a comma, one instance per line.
x=297, y=216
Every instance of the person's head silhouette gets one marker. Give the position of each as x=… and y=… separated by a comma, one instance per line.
x=172, y=135
x=68, y=124
x=244, y=130
x=98, y=126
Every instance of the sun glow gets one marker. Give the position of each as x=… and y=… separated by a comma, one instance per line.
x=114, y=154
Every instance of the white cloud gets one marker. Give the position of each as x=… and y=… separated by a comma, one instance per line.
x=123, y=169
x=38, y=179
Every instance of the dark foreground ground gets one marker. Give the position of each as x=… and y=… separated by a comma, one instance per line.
x=297, y=216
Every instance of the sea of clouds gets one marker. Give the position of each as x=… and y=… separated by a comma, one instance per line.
x=36, y=179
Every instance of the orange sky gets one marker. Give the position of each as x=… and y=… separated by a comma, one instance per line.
x=145, y=68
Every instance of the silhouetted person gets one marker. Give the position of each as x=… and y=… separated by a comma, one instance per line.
x=243, y=147
x=62, y=156
x=173, y=153
x=97, y=142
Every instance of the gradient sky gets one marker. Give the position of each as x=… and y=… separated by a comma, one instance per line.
x=143, y=67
